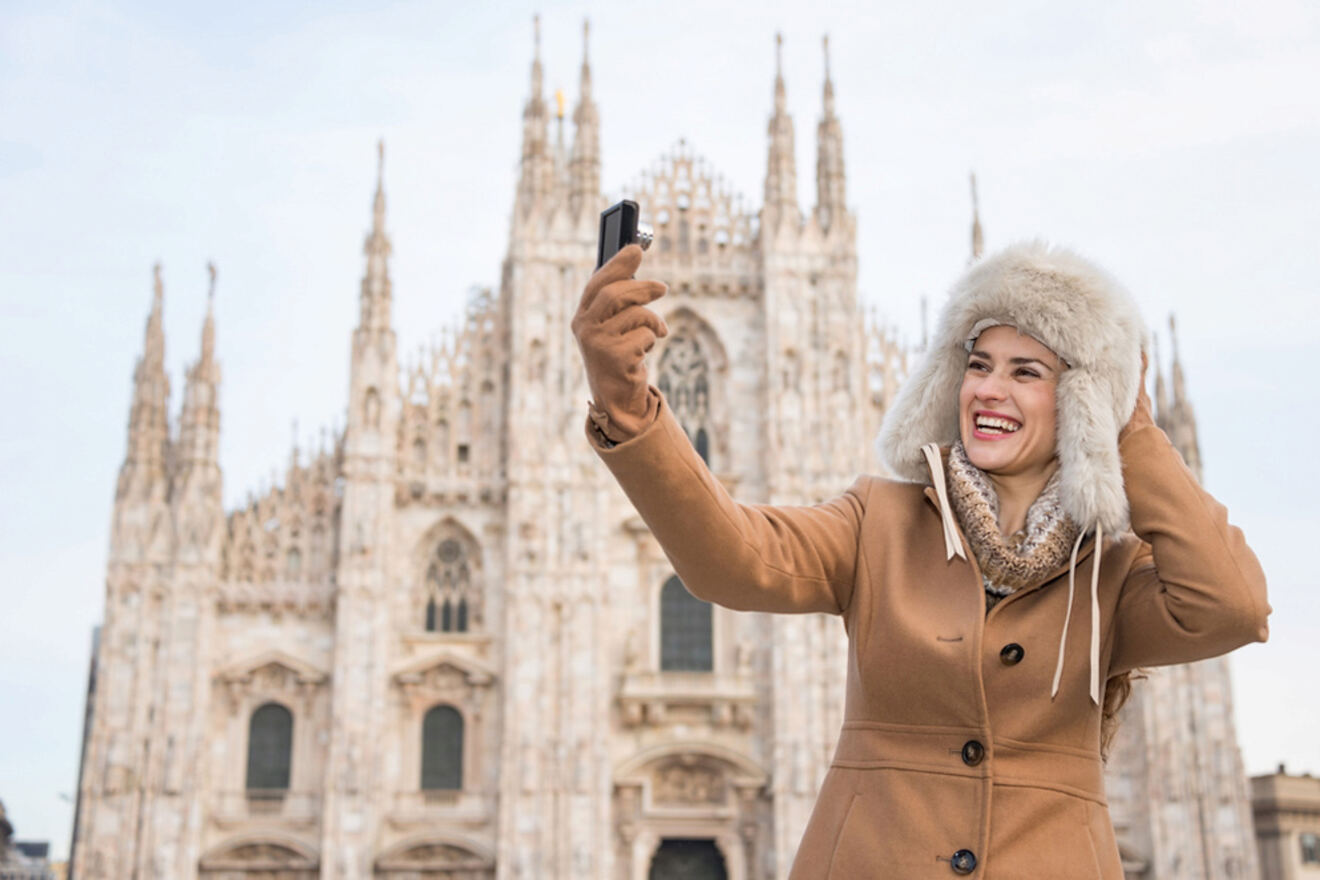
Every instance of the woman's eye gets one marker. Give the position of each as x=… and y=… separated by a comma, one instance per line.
x=977, y=365
x=1026, y=372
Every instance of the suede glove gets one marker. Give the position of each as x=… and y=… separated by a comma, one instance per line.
x=614, y=331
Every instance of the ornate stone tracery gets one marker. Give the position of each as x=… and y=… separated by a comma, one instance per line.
x=692, y=372
x=450, y=597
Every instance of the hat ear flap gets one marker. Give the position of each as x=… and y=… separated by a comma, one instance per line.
x=925, y=411
x=1091, y=472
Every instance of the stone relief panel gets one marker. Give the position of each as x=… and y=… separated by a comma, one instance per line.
x=438, y=860
x=259, y=860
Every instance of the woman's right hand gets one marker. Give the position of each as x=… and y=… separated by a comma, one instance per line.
x=614, y=331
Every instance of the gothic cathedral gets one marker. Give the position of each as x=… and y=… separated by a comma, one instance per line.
x=447, y=648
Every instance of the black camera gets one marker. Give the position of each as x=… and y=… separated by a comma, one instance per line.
x=618, y=229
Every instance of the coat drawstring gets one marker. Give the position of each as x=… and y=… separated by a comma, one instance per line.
x=952, y=544
x=953, y=547
x=1095, y=615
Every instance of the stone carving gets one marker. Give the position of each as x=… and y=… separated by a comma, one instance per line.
x=685, y=784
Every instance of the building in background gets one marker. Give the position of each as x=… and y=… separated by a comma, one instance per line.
x=1287, y=814
x=447, y=646
x=22, y=860
x=1177, y=790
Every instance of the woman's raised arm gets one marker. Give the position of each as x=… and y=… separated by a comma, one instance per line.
x=748, y=557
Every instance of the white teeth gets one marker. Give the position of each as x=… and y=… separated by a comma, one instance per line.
x=1003, y=425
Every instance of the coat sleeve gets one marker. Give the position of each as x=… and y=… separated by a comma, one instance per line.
x=1195, y=589
x=745, y=557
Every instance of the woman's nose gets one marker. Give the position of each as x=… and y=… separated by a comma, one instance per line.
x=991, y=388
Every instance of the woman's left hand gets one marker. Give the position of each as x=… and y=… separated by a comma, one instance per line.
x=1141, y=413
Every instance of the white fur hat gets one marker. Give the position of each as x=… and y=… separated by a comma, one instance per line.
x=1081, y=314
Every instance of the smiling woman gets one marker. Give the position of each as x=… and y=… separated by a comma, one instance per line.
x=1006, y=417
x=976, y=724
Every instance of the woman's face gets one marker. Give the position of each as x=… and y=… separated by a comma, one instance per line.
x=1006, y=404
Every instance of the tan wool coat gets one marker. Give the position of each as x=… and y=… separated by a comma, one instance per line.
x=953, y=760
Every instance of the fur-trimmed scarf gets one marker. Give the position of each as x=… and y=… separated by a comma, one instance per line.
x=1026, y=556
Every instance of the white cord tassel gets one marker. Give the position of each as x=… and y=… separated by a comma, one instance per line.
x=1095, y=616
x=1067, y=617
x=952, y=543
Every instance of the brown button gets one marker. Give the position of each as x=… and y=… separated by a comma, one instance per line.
x=973, y=753
x=1011, y=654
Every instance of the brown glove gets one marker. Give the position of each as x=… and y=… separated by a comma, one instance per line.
x=615, y=330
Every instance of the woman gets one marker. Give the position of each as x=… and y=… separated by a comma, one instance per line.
x=975, y=715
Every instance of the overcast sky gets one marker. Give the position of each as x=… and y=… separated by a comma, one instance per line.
x=1176, y=143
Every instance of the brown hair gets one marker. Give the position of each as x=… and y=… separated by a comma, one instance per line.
x=1117, y=691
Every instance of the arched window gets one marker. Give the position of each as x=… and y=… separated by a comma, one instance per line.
x=293, y=563
x=685, y=630
x=451, y=595
x=371, y=408
x=685, y=382
x=442, y=749
x=270, y=748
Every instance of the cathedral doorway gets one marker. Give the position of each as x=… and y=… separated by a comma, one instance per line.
x=679, y=858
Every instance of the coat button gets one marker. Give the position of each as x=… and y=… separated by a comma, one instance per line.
x=963, y=861
x=972, y=753
x=1011, y=654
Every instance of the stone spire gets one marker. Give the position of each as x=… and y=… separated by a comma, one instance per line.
x=978, y=241
x=143, y=473
x=584, y=168
x=1181, y=426
x=537, y=165
x=830, y=180
x=375, y=313
x=781, y=168
x=1161, y=392
x=199, y=421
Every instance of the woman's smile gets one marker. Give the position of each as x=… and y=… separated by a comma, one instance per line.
x=989, y=425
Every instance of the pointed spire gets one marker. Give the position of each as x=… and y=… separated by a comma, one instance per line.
x=584, y=168
x=978, y=240
x=199, y=420
x=1179, y=388
x=375, y=298
x=1161, y=393
x=143, y=472
x=208, y=325
x=537, y=172
x=560, y=153
x=781, y=96
x=1181, y=426
x=830, y=179
x=781, y=166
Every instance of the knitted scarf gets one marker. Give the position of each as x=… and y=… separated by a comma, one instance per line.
x=1025, y=557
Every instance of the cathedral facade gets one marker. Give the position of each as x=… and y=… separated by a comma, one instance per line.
x=446, y=647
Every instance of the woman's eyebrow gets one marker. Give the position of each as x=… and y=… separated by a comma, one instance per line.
x=1018, y=361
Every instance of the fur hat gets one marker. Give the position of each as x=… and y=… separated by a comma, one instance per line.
x=1079, y=312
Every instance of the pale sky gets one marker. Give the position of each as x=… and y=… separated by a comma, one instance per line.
x=1175, y=143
